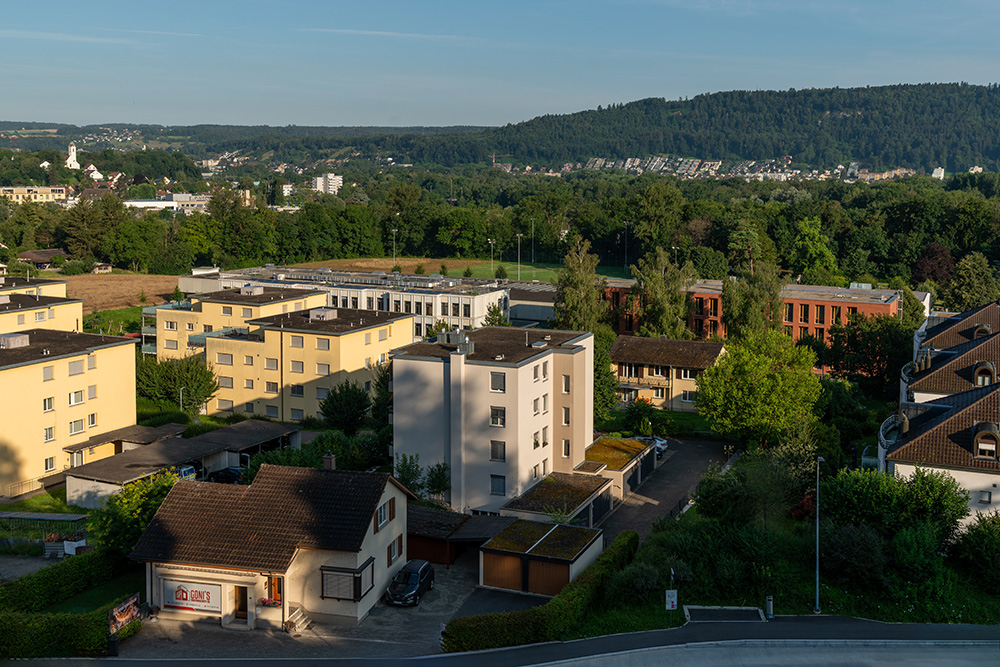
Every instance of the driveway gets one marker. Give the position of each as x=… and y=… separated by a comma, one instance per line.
x=675, y=478
x=14, y=567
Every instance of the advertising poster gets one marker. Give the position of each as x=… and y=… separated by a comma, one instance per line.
x=191, y=596
x=123, y=614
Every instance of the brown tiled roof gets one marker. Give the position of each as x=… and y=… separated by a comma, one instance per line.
x=955, y=373
x=946, y=438
x=508, y=342
x=961, y=328
x=42, y=255
x=665, y=352
x=259, y=527
x=559, y=491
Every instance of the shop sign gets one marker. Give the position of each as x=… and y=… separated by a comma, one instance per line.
x=191, y=596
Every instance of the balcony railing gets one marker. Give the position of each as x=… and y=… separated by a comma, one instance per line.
x=906, y=373
x=172, y=305
x=149, y=348
x=889, y=431
x=149, y=330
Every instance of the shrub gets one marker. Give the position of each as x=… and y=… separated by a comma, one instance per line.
x=76, y=267
x=41, y=589
x=30, y=635
x=979, y=547
x=175, y=417
x=854, y=555
x=636, y=582
x=915, y=553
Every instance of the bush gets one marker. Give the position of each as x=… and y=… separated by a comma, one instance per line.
x=980, y=545
x=166, y=418
x=30, y=635
x=42, y=589
x=915, y=553
x=855, y=555
x=633, y=584
x=76, y=267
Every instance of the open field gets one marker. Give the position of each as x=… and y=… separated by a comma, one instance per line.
x=480, y=268
x=114, y=290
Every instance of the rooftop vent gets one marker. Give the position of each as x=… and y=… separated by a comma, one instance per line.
x=322, y=314
x=498, y=357
x=251, y=290
x=4, y=298
x=539, y=344
x=12, y=341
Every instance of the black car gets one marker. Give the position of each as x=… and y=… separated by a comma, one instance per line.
x=231, y=475
x=415, y=579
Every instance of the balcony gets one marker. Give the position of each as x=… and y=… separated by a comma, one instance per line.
x=149, y=348
x=198, y=340
x=906, y=373
x=148, y=330
x=172, y=305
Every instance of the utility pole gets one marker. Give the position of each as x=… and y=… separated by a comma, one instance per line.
x=532, y=247
x=519, y=256
x=182, y=398
x=492, y=272
x=819, y=459
x=626, y=223
x=394, y=248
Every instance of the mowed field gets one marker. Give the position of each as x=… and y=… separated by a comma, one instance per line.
x=113, y=290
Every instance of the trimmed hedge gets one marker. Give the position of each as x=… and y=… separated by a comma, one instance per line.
x=550, y=622
x=40, y=590
x=31, y=635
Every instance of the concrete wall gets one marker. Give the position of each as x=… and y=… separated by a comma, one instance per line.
x=587, y=558
x=88, y=493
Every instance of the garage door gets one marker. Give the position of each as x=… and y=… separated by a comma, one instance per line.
x=546, y=578
x=502, y=571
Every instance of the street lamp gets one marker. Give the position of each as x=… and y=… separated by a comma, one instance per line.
x=182, y=398
x=626, y=223
x=519, y=256
x=491, y=242
x=675, y=254
x=819, y=459
x=394, y=230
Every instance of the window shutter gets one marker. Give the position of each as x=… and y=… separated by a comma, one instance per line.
x=399, y=545
x=680, y=374
x=392, y=509
x=641, y=370
x=388, y=556
x=375, y=523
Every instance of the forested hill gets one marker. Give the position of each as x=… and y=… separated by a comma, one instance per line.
x=917, y=126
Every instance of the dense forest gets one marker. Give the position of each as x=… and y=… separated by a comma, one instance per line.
x=918, y=230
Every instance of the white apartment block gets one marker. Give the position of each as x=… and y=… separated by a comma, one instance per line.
x=328, y=183
x=503, y=407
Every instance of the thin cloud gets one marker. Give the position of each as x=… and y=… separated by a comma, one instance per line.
x=62, y=37
x=402, y=35
x=155, y=32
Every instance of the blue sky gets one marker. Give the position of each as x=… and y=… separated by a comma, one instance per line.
x=430, y=62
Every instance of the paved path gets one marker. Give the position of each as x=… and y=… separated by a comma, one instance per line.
x=672, y=482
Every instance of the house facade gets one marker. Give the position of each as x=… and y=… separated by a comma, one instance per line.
x=502, y=407
x=20, y=312
x=661, y=370
x=32, y=286
x=296, y=544
x=939, y=373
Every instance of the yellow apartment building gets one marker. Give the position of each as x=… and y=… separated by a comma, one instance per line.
x=59, y=389
x=20, y=312
x=33, y=286
x=19, y=194
x=181, y=328
x=286, y=364
x=663, y=371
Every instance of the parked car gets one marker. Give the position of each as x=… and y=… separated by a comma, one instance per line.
x=231, y=475
x=415, y=579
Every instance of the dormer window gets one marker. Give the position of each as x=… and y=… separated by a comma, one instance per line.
x=981, y=331
x=987, y=437
x=984, y=374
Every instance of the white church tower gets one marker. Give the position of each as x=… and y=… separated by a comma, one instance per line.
x=71, y=162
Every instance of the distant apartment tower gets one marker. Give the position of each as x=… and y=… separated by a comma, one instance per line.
x=328, y=184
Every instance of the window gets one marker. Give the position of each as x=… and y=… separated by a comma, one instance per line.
x=273, y=588
x=40, y=316
x=248, y=360
x=225, y=406
x=354, y=302
x=395, y=306
x=417, y=307
x=454, y=309
x=852, y=310
x=91, y=392
x=170, y=326
x=498, y=382
x=224, y=359
x=689, y=374
x=91, y=362
x=76, y=426
x=343, y=301
x=50, y=464
x=537, y=442
x=76, y=367
x=565, y=448
x=343, y=584
x=534, y=373
x=368, y=339
x=371, y=303
x=248, y=407
x=227, y=311
x=47, y=404
x=296, y=341
x=322, y=343
x=984, y=374
x=271, y=410
x=248, y=384
x=322, y=369
x=49, y=434
x=545, y=436
x=430, y=308
x=803, y=331
x=382, y=515
x=52, y=314
x=534, y=406
x=498, y=417
x=322, y=393
x=657, y=371
x=383, y=357
x=169, y=345
x=545, y=467
x=270, y=364
x=92, y=420
x=298, y=390
x=297, y=415
x=545, y=403
x=789, y=312
x=498, y=485
x=20, y=319
x=534, y=471
x=628, y=370
x=565, y=384
x=804, y=313
x=986, y=444
x=247, y=312
x=565, y=416
x=394, y=550
x=225, y=382
x=659, y=393
x=545, y=370
x=819, y=333
x=689, y=396
x=466, y=310
x=985, y=497
x=296, y=367
x=76, y=397
x=820, y=314
x=383, y=334
x=368, y=387
x=788, y=331
x=271, y=387
x=189, y=326
x=498, y=450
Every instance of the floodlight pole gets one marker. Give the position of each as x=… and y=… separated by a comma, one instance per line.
x=491, y=242
x=819, y=459
x=394, y=248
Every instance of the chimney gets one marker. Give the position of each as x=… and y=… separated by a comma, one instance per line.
x=329, y=461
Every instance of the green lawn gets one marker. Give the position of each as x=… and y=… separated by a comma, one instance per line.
x=123, y=320
x=539, y=271
x=54, y=502
x=130, y=582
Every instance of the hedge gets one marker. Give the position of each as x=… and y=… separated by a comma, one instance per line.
x=42, y=589
x=31, y=635
x=550, y=622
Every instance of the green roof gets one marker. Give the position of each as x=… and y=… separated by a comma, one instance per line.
x=544, y=539
x=616, y=453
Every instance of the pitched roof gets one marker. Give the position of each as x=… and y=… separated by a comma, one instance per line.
x=665, y=352
x=260, y=526
x=954, y=371
x=943, y=436
x=962, y=328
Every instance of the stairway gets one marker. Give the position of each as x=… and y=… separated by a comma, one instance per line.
x=297, y=620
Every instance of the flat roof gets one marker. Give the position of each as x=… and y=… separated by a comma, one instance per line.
x=325, y=278
x=267, y=295
x=20, y=282
x=496, y=345
x=142, y=435
x=47, y=344
x=616, y=453
x=559, y=491
x=32, y=302
x=346, y=320
x=546, y=540
x=810, y=292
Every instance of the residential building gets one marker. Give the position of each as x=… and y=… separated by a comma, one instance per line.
x=283, y=366
x=458, y=302
x=20, y=312
x=60, y=389
x=661, y=370
x=41, y=259
x=329, y=184
x=297, y=543
x=39, y=194
x=958, y=434
x=502, y=407
x=939, y=373
x=181, y=327
x=33, y=286
x=942, y=332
